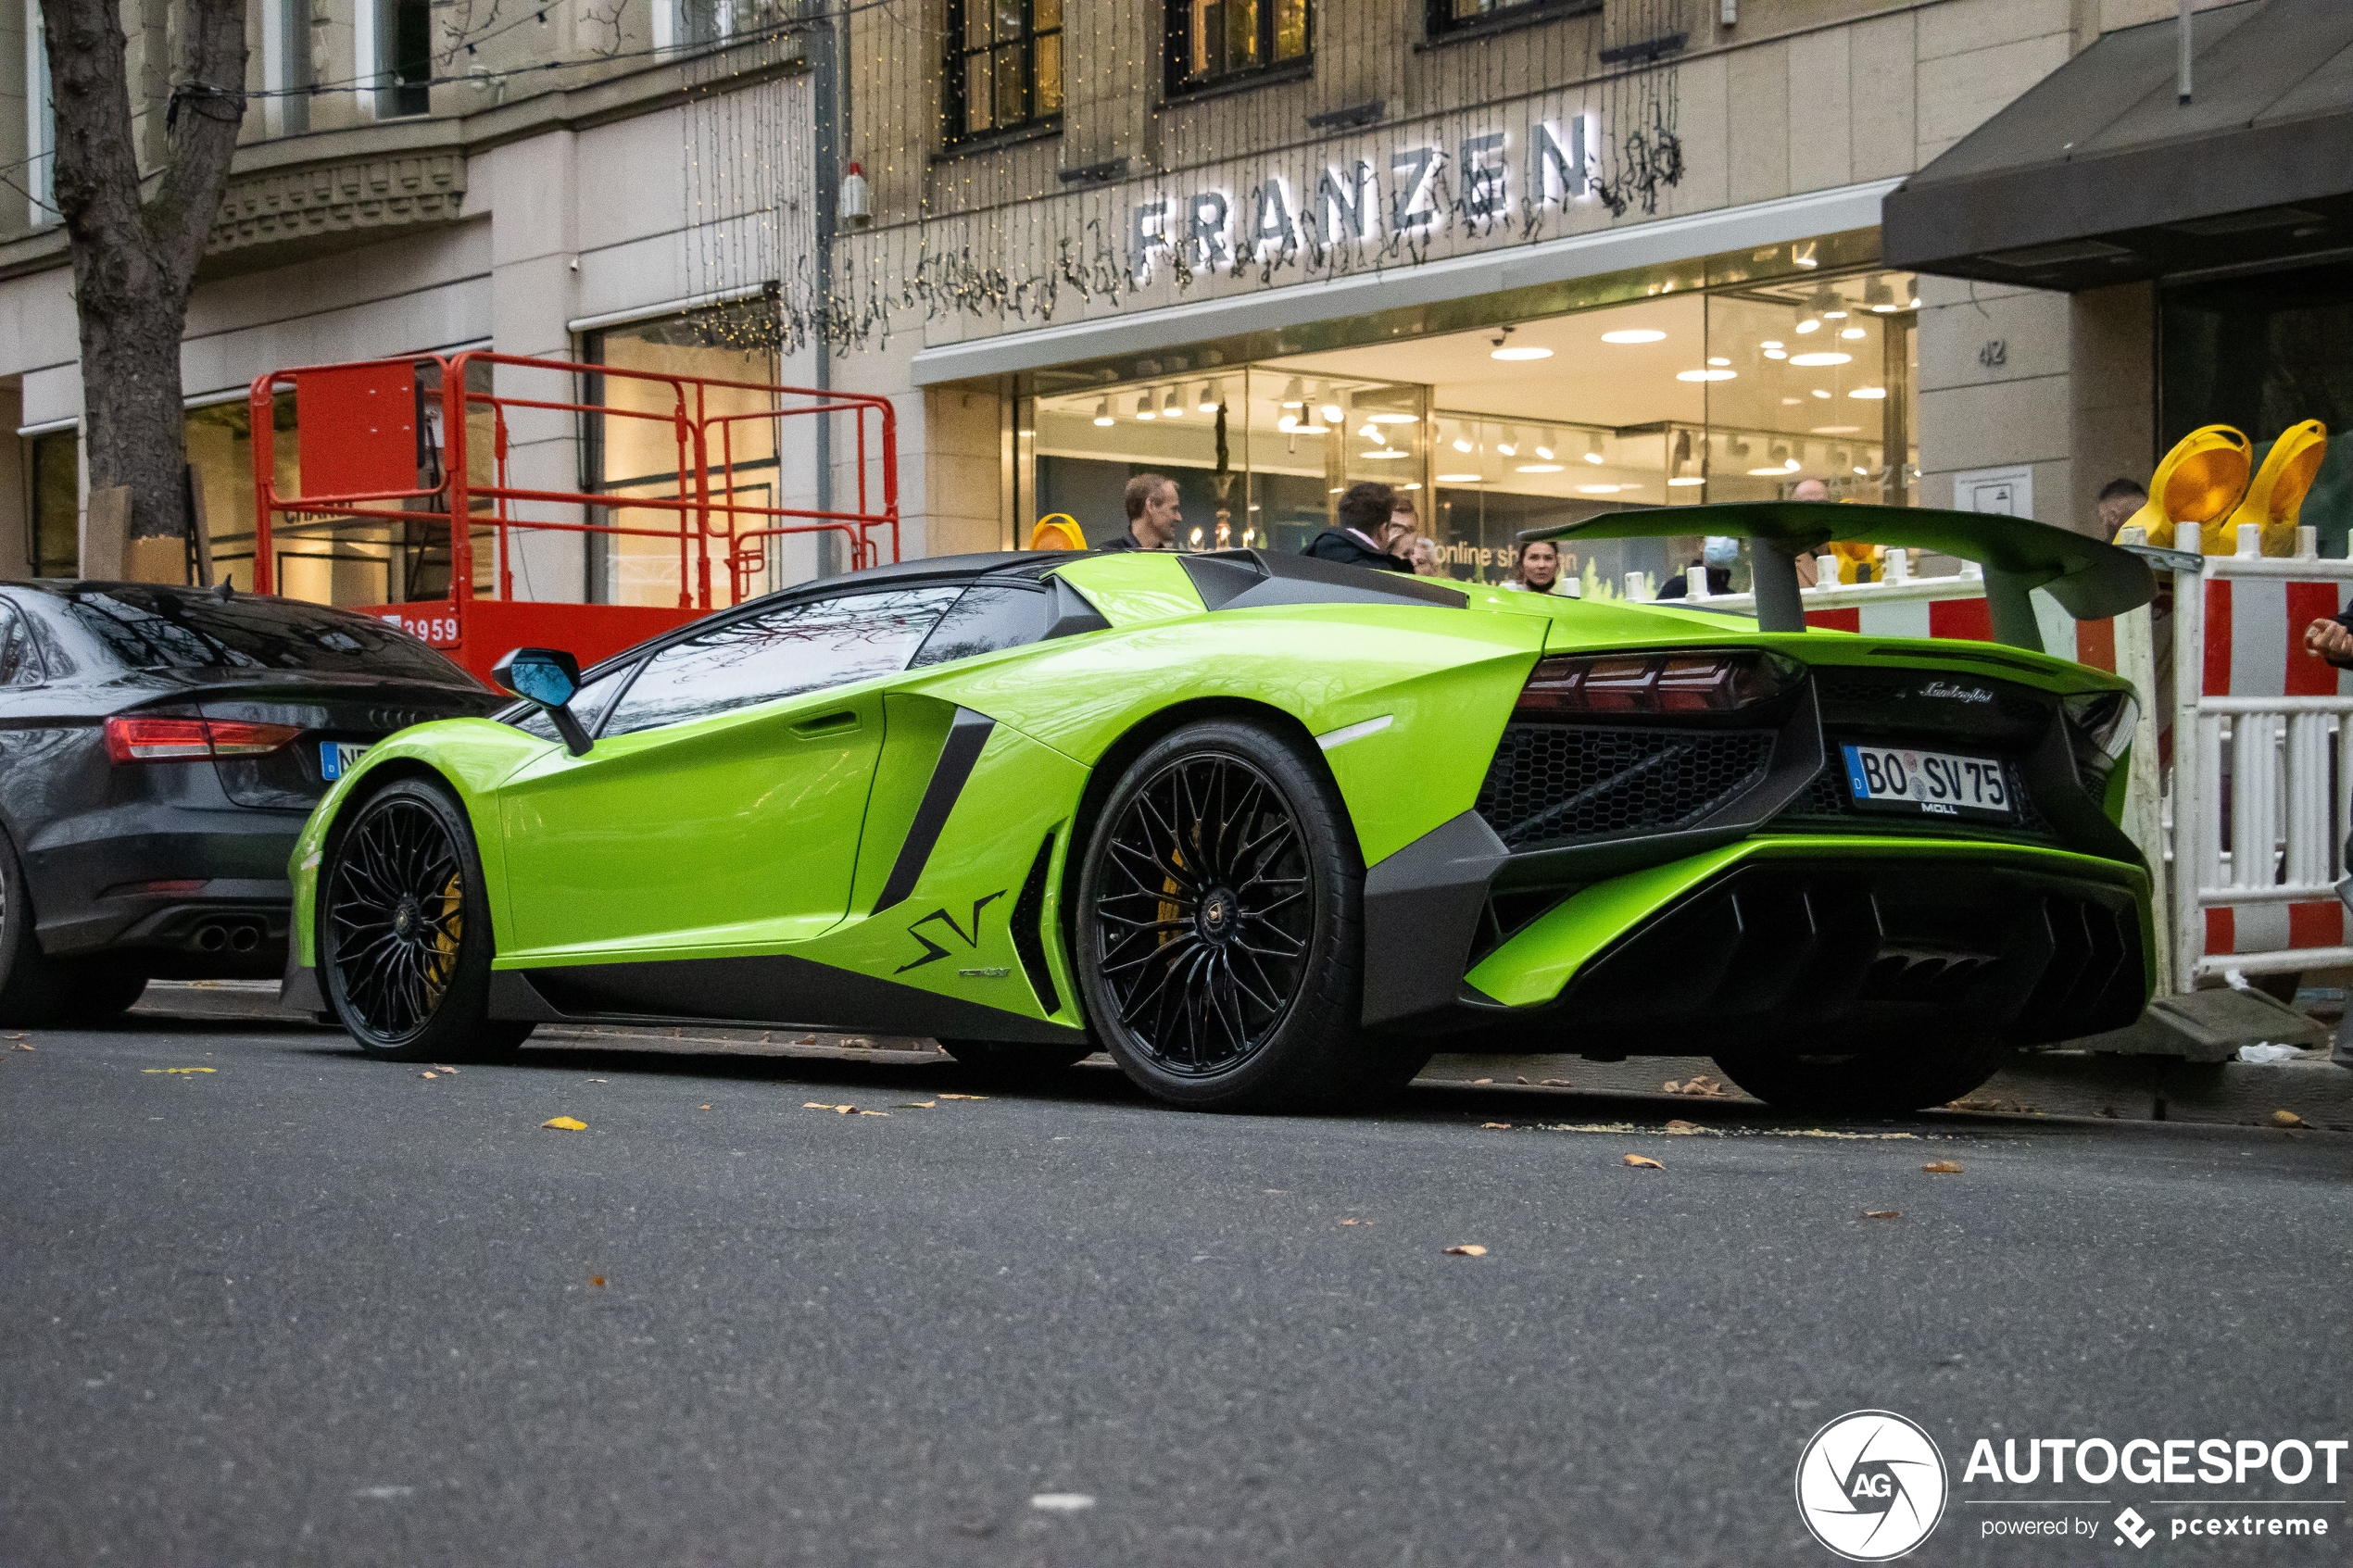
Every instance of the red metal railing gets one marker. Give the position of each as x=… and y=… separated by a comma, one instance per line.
x=705, y=498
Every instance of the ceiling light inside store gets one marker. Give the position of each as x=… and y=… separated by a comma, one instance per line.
x=1772, y=342
x=1196, y=539
x=1461, y=445
x=1592, y=449
x=1681, y=480
x=1333, y=414
x=1868, y=394
x=1718, y=362
x=1369, y=430
x=1393, y=417
x=1293, y=396
x=1864, y=471
x=1509, y=446
x=1173, y=407
x=1634, y=334
x=1821, y=393
x=1211, y=398
x=1539, y=468
x=1834, y=315
x=1878, y=297
x=1602, y=489
x=1808, y=325
x=1102, y=412
x=1836, y=429
x=1144, y=409
x=1706, y=375
x=1460, y=478
x=1545, y=452
x=1777, y=354
x=1381, y=452
x=1289, y=421
x=1852, y=333
x=1827, y=357
x=1521, y=352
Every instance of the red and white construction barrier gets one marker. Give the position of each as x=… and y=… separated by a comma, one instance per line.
x=2262, y=761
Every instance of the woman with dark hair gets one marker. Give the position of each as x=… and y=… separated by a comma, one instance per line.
x=1538, y=569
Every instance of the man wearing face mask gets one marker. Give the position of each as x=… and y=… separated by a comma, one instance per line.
x=1717, y=558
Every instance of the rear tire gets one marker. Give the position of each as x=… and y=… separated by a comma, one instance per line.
x=1220, y=929
x=38, y=990
x=1877, y=1085
x=1008, y=1063
x=404, y=931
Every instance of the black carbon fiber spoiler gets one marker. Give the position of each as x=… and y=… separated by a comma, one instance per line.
x=2090, y=580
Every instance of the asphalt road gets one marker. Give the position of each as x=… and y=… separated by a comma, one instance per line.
x=306, y=1308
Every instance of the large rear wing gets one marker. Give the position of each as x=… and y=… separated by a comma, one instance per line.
x=2089, y=579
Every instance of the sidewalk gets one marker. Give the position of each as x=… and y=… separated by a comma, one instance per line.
x=2078, y=1083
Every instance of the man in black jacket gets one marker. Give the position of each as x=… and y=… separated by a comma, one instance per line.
x=1362, y=537
x=1155, y=515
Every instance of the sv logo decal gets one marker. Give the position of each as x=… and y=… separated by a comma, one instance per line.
x=933, y=951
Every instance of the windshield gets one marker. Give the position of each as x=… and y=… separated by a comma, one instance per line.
x=158, y=629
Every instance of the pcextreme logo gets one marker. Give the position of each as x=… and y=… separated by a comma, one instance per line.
x=1871, y=1486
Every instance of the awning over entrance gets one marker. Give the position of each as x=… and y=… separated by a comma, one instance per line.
x=2099, y=175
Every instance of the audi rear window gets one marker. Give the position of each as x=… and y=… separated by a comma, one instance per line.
x=158, y=628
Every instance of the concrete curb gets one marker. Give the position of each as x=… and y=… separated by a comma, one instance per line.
x=2077, y=1083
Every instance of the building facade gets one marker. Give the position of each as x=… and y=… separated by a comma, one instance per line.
x=1525, y=259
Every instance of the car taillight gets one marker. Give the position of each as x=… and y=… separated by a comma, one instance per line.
x=1656, y=683
x=189, y=740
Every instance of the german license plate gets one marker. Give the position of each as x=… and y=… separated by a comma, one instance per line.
x=1933, y=783
x=336, y=756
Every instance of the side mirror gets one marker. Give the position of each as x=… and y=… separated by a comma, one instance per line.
x=549, y=678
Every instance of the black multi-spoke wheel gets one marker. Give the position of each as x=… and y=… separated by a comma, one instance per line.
x=403, y=945
x=1218, y=925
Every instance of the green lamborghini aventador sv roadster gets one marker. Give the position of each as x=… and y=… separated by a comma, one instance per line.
x=1272, y=830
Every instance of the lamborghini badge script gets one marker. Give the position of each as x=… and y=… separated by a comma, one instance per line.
x=933, y=951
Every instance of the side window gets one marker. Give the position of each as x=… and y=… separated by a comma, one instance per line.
x=984, y=619
x=20, y=662
x=793, y=648
x=588, y=704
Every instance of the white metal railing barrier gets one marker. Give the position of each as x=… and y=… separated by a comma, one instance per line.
x=2262, y=763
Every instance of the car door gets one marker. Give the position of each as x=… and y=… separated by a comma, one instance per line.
x=721, y=805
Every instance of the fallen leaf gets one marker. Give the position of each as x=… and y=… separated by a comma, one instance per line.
x=428, y=1075
x=1062, y=1502
x=1680, y=1126
x=1943, y=1168
x=1501, y=1126
x=917, y=1104
x=817, y=1105
x=1882, y=1214
x=1476, y=1082
x=1275, y=1192
x=597, y=1280
x=806, y=1040
x=600, y=1080
x=1357, y=1222
x=1697, y=1083
x=22, y=1046
x=2286, y=1119
x=179, y=1070
x=1642, y=1162
x=874, y=1114
x=1518, y=1080
x=702, y=1107
x=1467, y=1250
x=566, y=1124
x=963, y=1097
x=451, y=1071
x=1554, y=1084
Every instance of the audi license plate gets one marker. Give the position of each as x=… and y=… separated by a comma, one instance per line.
x=1935, y=784
x=336, y=758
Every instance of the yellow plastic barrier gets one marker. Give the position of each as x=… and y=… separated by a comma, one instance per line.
x=1057, y=531
x=2276, y=496
x=2199, y=481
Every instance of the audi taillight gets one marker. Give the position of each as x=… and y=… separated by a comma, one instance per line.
x=1633, y=684
x=191, y=740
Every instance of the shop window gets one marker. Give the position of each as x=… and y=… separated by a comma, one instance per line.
x=403, y=57
x=1448, y=16
x=630, y=452
x=1215, y=42
x=40, y=125
x=286, y=42
x=1004, y=66
x=54, y=472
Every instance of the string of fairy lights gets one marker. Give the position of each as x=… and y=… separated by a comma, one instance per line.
x=1036, y=218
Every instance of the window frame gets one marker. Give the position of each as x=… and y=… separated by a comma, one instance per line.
x=955, y=56
x=1179, y=85
x=1439, y=25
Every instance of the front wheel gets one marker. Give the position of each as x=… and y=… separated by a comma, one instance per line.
x=1874, y=1085
x=404, y=932
x=1220, y=927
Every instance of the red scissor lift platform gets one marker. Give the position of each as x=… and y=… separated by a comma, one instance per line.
x=384, y=471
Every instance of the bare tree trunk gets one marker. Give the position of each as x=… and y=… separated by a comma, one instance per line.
x=134, y=260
